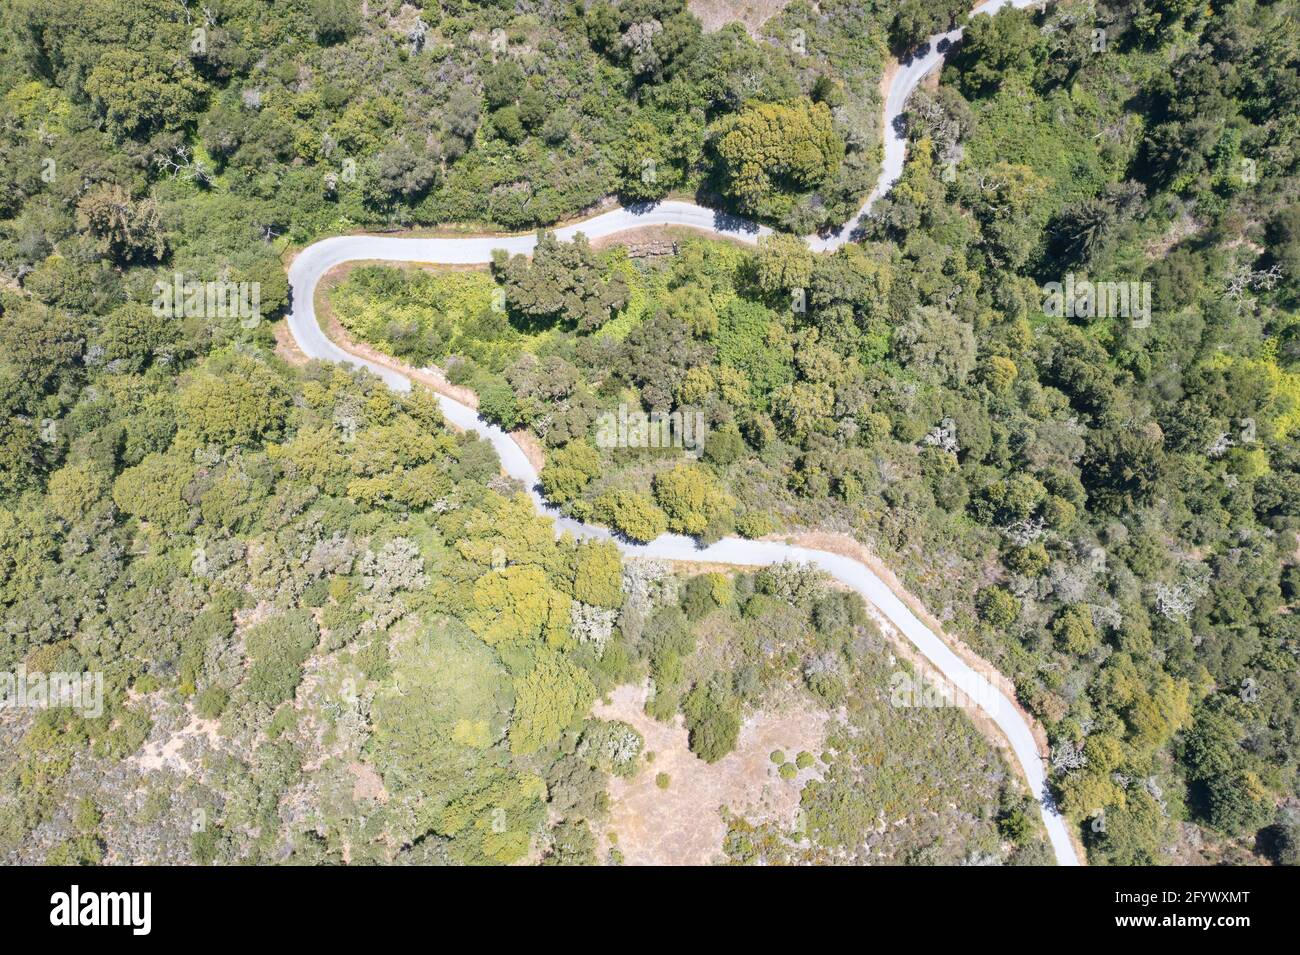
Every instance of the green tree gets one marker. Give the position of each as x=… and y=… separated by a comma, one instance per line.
x=1213, y=746
x=998, y=607
x=335, y=20
x=1239, y=802
x=497, y=402
x=993, y=47
x=918, y=20
x=153, y=491
x=134, y=335
x=713, y=719
x=140, y=93
x=564, y=282
x=1074, y=631
x=277, y=649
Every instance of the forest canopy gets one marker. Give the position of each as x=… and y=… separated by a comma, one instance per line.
x=283, y=566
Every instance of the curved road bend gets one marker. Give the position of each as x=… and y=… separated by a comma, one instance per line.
x=317, y=259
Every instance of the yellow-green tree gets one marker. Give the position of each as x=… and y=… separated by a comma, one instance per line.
x=632, y=514
x=547, y=700
x=518, y=606
x=770, y=151
x=237, y=401
x=691, y=498
x=152, y=491
x=569, y=470
x=598, y=579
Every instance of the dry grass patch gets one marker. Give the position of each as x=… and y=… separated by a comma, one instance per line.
x=682, y=823
x=751, y=14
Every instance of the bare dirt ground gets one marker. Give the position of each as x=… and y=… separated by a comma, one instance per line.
x=168, y=753
x=644, y=236
x=285, y=346
x=1184, y=226
x=683, y=824
x=367, y=783
x=752, y=14
x=647, y=236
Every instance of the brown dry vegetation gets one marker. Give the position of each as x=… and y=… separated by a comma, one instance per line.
x=684, y=824
x=752, y=14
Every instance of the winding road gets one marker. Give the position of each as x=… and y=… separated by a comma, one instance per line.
x=313, y=262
